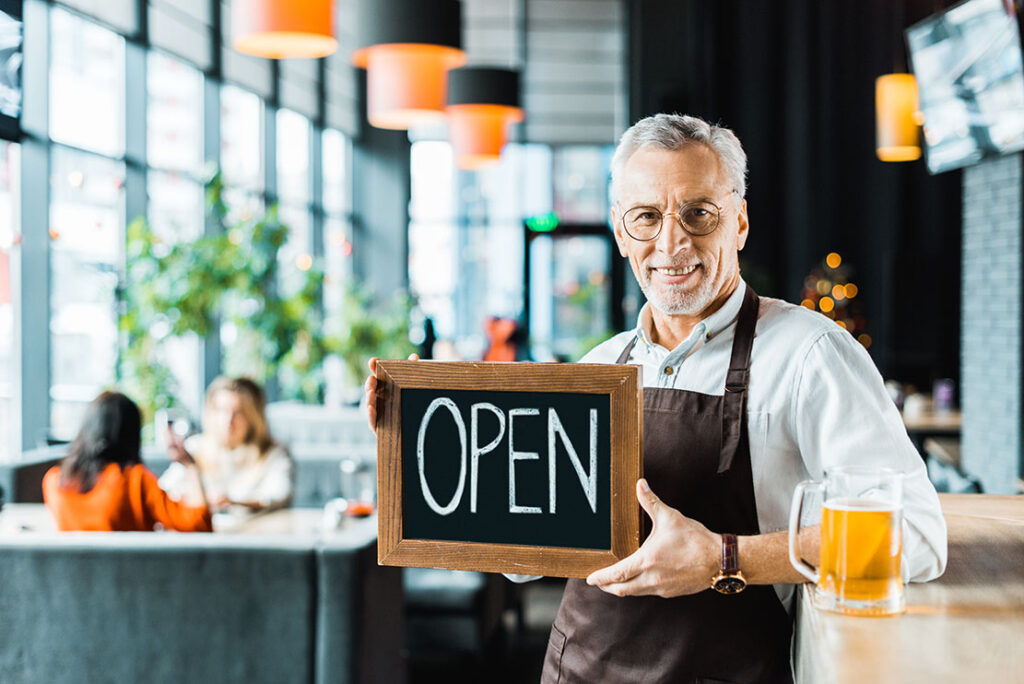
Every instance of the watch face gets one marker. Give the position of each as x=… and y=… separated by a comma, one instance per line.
x=730, y=585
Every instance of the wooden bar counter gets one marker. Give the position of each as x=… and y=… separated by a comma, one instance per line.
x=966, y=626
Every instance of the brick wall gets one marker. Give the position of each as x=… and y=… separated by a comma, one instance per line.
x=991, y=352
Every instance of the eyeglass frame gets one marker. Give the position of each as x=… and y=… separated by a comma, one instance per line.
x=678, y=215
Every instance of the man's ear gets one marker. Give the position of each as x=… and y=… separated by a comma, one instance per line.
x=620, y=237
x=744, y=227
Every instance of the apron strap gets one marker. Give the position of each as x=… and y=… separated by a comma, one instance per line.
x=736, y=380
x=624, y=356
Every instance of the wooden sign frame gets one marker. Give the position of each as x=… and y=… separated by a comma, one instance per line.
x=621, y=383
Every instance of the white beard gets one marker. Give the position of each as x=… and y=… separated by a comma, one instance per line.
x=675, y=301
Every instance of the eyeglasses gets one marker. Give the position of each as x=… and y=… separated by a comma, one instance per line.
x=697, y=218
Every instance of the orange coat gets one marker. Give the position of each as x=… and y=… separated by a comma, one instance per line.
x=129, y=501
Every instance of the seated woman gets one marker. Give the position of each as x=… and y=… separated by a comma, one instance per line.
x=102, y=485
x=240, y=464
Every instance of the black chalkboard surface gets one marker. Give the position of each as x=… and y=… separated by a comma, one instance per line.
x=510, y=467
x=507, y=467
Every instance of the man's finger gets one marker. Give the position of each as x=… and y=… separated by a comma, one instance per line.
x=634, y=587
x=371, y=383
x=623, y=571
x=373, y=364
x=414, y=357
x=649, y=501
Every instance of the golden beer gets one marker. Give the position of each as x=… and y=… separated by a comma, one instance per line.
x=861, y=543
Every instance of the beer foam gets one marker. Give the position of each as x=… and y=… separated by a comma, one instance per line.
x=861, y=505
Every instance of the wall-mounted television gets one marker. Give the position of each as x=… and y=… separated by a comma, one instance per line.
x=10, y=68
x=970, y=80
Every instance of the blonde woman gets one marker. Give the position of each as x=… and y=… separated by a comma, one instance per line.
x=240, y=463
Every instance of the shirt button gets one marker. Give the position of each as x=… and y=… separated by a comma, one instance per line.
x=668, y=370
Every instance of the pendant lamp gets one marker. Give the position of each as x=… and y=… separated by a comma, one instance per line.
x=482, y=102
x=407, y=48
x=279, y=29
x=896, y=118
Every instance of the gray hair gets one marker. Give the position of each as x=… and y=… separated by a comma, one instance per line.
x=674, y=131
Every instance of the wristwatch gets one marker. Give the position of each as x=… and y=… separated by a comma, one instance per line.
x=730, y=580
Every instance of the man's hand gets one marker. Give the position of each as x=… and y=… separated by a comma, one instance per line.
x=370, y=387
x=680, y=557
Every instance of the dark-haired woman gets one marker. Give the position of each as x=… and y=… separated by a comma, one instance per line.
x=102, y=485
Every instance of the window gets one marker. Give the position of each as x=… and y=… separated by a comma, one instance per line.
x=9, y=191
x=582, y=175
x=483, y=243
x=174, y=148
x=295, y=192
x=86, y=85
x=174, y=116
x=337, y=206
x=175, y=203
x=241, y=163
x=570, y=294
x=337, y=248
x=86, y=252
x=433, y=252
x=87, y=109
x=94, y=175
x=241, y=151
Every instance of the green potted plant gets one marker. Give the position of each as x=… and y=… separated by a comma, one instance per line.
x=364, y=330
x=232, y=276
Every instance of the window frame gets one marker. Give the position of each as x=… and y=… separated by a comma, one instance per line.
x=30, y=278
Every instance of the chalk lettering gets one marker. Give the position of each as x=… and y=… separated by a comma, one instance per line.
x=514, y=456
x=457, y=497
x=475, y=451
x=588, y=482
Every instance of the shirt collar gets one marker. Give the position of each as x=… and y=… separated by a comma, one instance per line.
x=708, y=327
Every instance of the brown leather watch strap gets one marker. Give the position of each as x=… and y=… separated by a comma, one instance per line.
x=730, y=554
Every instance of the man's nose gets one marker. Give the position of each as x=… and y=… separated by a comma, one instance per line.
x=672, y=238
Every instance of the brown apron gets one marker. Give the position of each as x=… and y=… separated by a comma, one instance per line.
x=697, y=459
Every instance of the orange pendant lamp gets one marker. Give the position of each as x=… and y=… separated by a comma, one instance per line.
x=897, y=118
x=279, y=29
x=408, y=47
x=482, y=102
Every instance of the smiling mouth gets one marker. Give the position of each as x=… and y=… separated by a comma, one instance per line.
x=685, y=270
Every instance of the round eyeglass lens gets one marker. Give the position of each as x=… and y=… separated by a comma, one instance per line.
x=643, y=223
x=699, y=218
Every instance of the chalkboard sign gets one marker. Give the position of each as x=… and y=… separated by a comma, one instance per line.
x=508, y=467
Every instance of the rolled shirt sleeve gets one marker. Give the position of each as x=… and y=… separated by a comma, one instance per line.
x=843, y=416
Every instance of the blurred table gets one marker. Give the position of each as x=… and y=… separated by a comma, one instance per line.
x=966, y=626
x=290, y=521
x=933, y=423
x=19, y=518
x=930, y=424
x=35, y=518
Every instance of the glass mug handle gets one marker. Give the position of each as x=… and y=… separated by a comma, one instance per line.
x=795, y=513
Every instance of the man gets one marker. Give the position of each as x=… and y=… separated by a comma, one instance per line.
x=813, y=399
x=743, y=398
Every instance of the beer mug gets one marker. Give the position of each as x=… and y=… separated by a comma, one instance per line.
x=861, y=540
